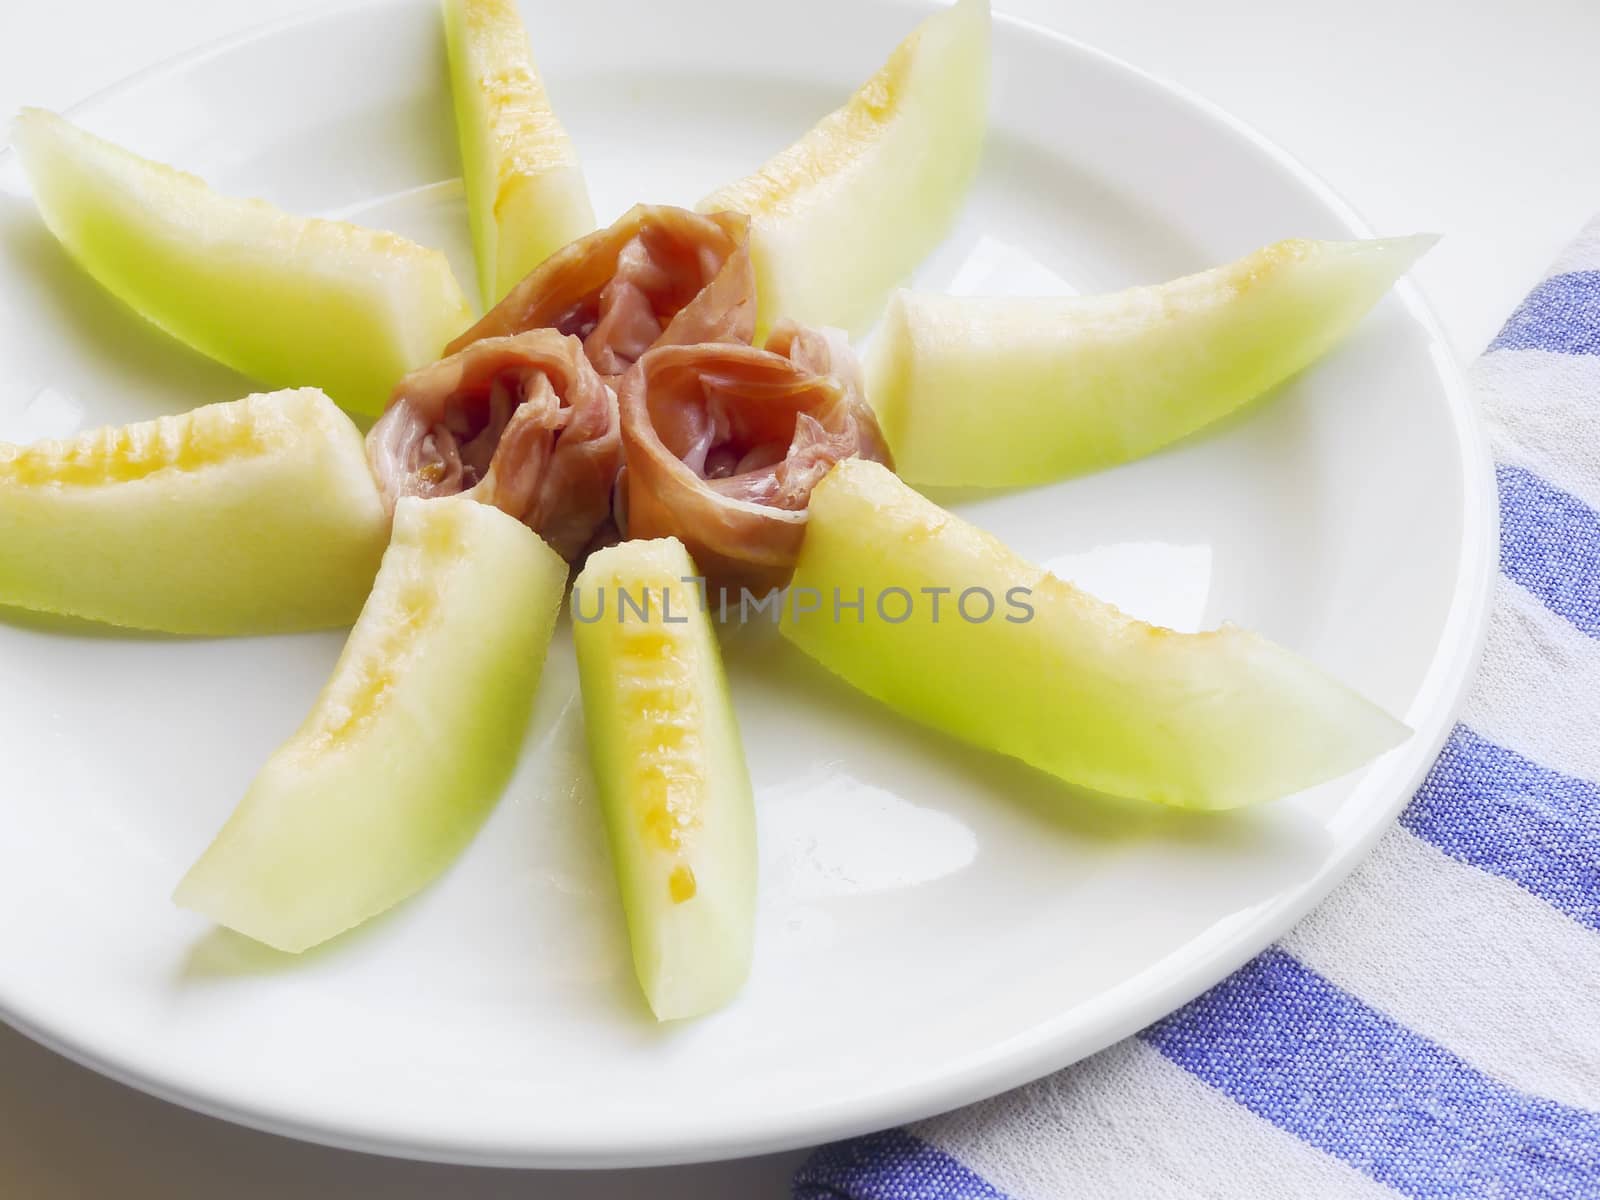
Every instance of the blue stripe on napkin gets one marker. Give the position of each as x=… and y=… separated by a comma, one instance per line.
x=1558, y=315
x=1490, y=807
x=1291, y=1047
x=1550, y=544
x=889, y=1166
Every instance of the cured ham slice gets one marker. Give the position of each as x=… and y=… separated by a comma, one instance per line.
x=523, y=423
x=725, y=442
x=659, y=276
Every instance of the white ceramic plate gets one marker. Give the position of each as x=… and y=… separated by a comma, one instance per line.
x=936, y=925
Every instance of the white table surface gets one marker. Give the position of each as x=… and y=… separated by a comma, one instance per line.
x=1472, y=118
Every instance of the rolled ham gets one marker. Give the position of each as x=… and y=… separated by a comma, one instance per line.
x=659, y=276
x=724, y=443
x=524, y=423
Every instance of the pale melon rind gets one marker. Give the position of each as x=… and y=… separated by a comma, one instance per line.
x=409, y=745
x=670, y=769
x=986, y=391
x=1209, y=721
x=290, y=301
x=256, y=516
x=851, y=209
x=526, y=196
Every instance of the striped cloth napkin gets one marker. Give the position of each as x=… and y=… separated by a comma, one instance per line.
x=1434, y=1029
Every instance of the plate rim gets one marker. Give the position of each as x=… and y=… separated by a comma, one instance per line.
x=1048, y=1046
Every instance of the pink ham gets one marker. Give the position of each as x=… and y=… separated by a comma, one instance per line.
x=659, y=276
x=524, y=423
x=725, y=442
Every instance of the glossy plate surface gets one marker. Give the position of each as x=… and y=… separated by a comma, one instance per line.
x=936, y=925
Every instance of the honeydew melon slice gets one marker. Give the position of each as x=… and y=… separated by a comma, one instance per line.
x=257, y=516
x=671, y=774
x=1053, y=676
x=409, y=745
x=999, y=392
x=290, y=301
x=849, y=210
x=526, y=197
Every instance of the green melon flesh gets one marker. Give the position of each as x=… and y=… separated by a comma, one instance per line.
x=409, y=745
x=984, y=391
x=853, y=207
x=526, y=196
x=287, y=300
x=671, y=774
x=1080, y=691
x=257, y=516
